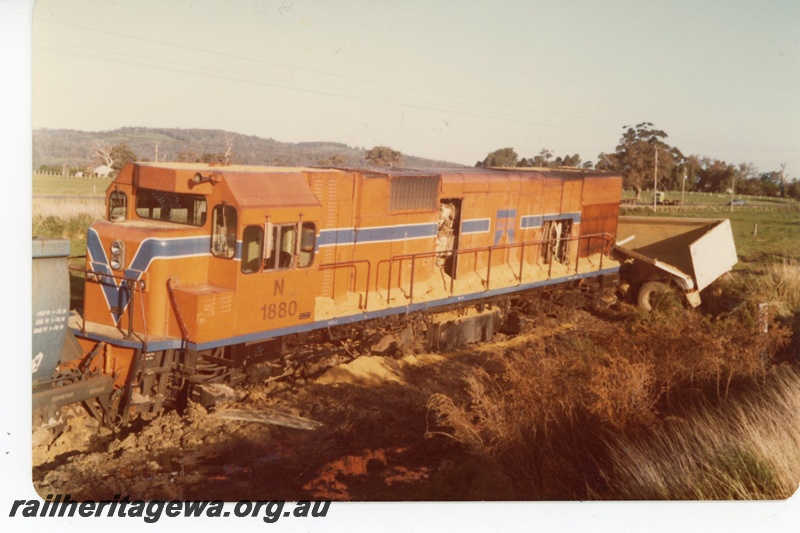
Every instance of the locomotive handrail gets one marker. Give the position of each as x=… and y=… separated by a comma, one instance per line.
x=484, y=249
x=136, y=286
x=178, y=315
x=353, y=264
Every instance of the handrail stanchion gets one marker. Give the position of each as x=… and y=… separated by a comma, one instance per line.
x=144, y=318
x=411, y=291
x=131, y=300
x=455, y=269
x=489, y=270
x=602, y=250
x=389, y=284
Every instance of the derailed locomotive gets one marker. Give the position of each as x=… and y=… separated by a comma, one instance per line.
x=198, y=271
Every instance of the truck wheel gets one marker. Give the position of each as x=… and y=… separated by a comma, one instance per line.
x=651, y=292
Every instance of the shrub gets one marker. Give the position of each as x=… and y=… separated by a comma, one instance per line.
x=539, y=411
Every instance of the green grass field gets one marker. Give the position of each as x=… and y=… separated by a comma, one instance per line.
x=59, y=186
x=761, y=235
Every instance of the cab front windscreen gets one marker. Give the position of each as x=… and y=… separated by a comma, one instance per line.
x=171, y=207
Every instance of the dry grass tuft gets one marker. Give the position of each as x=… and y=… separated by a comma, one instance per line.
x=68, y=218
x=746, y=449
x=779, y=286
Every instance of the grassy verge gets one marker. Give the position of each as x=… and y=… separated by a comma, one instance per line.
x=65, y=218
x=746, y=449
x=60, y=186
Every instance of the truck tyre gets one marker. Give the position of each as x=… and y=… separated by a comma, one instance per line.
x=651, y=292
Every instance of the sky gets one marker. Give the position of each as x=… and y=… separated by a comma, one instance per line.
x=448, y=80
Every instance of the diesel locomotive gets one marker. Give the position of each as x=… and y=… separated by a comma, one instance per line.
x=198, y=272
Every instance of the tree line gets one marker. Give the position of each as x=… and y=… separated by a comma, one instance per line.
x=117, y=155
x=643, y=155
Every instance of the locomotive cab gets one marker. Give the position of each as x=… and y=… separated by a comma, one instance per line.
x=235, y=246
x=191, y=259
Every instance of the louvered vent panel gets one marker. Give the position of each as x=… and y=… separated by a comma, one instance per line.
x=417, y=192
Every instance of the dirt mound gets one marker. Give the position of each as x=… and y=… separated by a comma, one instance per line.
x=377, y=370
x=366, y=370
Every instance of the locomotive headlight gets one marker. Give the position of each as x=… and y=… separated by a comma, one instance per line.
x=117, y=260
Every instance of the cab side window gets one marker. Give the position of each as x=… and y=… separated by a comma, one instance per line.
x=117, y=206
x=308, y=244
x=252, y=252
x=283, y=250
x=282, y=247
x=223, y=231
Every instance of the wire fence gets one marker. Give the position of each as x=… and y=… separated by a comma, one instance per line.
x=716, y=208
x=647, y=196
x=79, y=174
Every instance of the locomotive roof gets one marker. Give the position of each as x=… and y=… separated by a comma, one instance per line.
x=251, y=186
x=383, y=172
x=253, y=190
x=560, y=172
x=197, y=167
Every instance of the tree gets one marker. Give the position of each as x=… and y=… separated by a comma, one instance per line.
x=210, y=158
x=782, y=178
x=188, y=156
x=383, y=156
x=336, y=160
x=692, y=166
x=772, y=183
x=715, y=176
x=607, y=161
x=103, y=153
x=114, y=157
x=573, y=160
x=227, y=156
x=543, y=159
x=636, y=156
x=122, y=155
x=793, y=188
x=504, y=157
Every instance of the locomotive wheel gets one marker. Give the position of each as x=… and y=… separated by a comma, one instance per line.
x=651, y=293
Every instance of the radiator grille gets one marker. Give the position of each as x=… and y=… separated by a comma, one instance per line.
x=417, y=192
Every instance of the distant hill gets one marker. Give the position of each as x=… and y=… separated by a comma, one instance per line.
x=75, y=148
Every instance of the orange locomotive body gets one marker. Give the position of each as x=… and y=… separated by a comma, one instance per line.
x=198, y=270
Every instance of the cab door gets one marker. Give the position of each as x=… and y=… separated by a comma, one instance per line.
x=279, y=279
